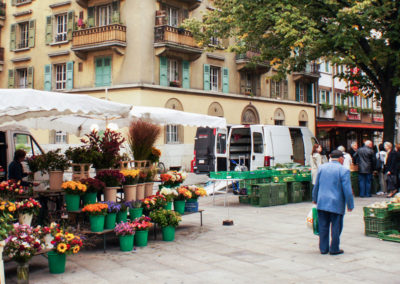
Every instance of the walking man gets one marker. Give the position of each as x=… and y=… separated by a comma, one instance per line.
x=366, y=161
x=332, y=192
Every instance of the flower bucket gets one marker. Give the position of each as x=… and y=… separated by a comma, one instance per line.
x=122, y=216
x=110, y=193
x=57, y=262
x=2, y=276
x=72, y=201
x=192, y=205
x=168, y=233
x=130, y=192
x=135, y=213
x=55, y=179
x=109, y=221
x=97, y=223
x=25, y=219
x=179, y=206
x=140, y=191
x=89, y=198
x=141, y=238
x=168, y=206
x=148, y=189
x=126, y=242
x=47, y=240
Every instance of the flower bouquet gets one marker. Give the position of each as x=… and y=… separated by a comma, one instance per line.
x=155, y=155
x=168, y=220
x=180, y=200
x=125, y=231
x=7, y=207
x=111, y=217
x=122, y=215
x=197, y=191
x=142, y=226
x=94, y=186
x=7, y=210
x=153, y=202
x=35, y=164
x=9, y=189
x=173, y=178
x=73, y=191
x=97, y=214
x=26, y=209
x=169, y=193
x=131, y=179
x=48, y=233
x=113, y=180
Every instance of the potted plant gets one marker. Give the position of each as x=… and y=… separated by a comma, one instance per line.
x=169, y=194
x=140, y=188
x=126, y=232
x=173, y=178
x=97, y=213
x=6, y=210
x=64, y=244
x=26, y=209
x=122, y=215
x=55, y=163
x=111, y=217
x=21, y=245
x=73, y=190
x=49, y=232
x=94, y=186
x=135, y=210
x=180, y=200
x=153, y=202
x=192, y=204
x=168, y=220
x=326, y=106
x=175, y=83
x=154, y=155
x=81, y=158
x=10, y=189
x=35, y=164
x=113, y=180
x=131, y=179
x=142, y=226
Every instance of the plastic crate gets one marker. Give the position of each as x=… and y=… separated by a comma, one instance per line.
x=254, y=200
x=244, y=199
x=278, y=194
x=221, y=175
x=261, y=189
x=307, y=190
x=295, y=192
x=394, y=207
x=375, y=225
x=302, y=177
x=385, y=235
x=376, y=212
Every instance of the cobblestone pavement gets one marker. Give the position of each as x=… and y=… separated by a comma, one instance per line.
x=265, y=245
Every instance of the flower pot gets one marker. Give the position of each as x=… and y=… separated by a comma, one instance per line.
x=57, y=262
x=110, y=193
x=122, y=216
x=55, y=179
x=2, y=276
x=80, y=171
x=168, y=233
x=72, y=201
x=126, y=242
x=141, y=238
x=148, y=189
x=25, y=219
x=23, y=273
x=97, y=223
x=192, y=205
x=89, y=198
x=109, y=221
x=179, y=206
x=140, y=191
x=47, y=240
x=168, y=206
x=130, y=192
x=135, y=213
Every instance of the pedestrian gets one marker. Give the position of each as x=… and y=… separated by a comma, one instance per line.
x=316, y=161
x=331, y=193
x=380, y=162
x=366, y=161
x=390, y=169
x=348, y=160
x=353, y=150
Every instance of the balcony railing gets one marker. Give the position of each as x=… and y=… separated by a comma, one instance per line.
x=311, y=68
x=99, y=37
x=248, y=55
x=1, y=53
x=169, y=34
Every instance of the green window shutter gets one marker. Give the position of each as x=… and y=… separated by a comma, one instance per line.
x=70, y=25
x=99, y=72
x=32, y=24
x=107, y=71
x=49, y=29
x=206, y=78
x=90, y=12
x=47, y=77
x=13, y=37
x=11, y=78
x=185, y=74
x=70, y=75
x=163, y=71
x=225, y=80
x=115, y=12
x=309, y=93
x=30, y=77
x=297, y=91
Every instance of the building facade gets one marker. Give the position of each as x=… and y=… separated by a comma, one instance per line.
x=134, y=51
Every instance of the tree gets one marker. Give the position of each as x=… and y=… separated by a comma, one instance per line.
x=363, y=34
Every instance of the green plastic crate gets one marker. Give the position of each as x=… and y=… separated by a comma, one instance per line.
x=385, y=235
x=295, y=192
x=244, y=199
x=376, y=212
x=278, y=194
x=307, y=190
x=261, y=189
x=375, y=225
x=394, y=207
x=255, y=200
x=221, y=175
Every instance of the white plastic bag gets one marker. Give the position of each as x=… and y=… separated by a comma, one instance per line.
x=309, y=220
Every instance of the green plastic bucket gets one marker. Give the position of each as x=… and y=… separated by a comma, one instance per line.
x=141, y=238
x=122, y=216
x=89, y=198
x=97, y=223
x=110, y=220
x=179, y=206
x=56, y=262
x=126, y=242
x=72, y=201
x=168, y=206
x=168, y=233
x=135, y=213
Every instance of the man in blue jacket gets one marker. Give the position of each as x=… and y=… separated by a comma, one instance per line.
x=332, y=192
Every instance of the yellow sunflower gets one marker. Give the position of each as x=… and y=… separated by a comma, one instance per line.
x=69, y=237
x=76, y=249
x=62, y=248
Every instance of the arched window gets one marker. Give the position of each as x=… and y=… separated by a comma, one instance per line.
x=279, y=117
x=303, y=118
x=173, y=133
x=215, y=109
x=250, y=115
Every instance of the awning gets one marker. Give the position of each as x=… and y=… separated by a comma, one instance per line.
x=346, y=124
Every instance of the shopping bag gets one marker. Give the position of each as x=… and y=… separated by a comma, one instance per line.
x=315, y=221
x=309, y=220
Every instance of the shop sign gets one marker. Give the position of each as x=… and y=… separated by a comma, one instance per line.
x=353, y=111
x=377, y=118
x=353, y=116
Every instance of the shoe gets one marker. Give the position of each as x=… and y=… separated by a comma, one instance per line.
x=336, y=253
x=380, y=193
x=325, y=252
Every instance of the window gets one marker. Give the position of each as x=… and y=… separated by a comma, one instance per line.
x=278, y=122
x=325, y=97
x=23, y=1
x=366, y=103
x=339, y=99
x=214, y=78
x=104, y=15
x=303, y=123
x=258, y=145
x=214, y=41
x=22, y=78
x=327, y=67
x=173, y=70
x=353, y=101
x=279, y=89
x=61, y=76
x=61, y=30
x=27, y=143
x=172, y=16
x=23, y=35
x=60, y=137
x=299, y=92
x=249, y=81
x=172, y=134
x=103, y=71
x=221, y=143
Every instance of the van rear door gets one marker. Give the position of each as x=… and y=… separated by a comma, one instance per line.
x=298, y=145
x=281, y=145
x=309, y=141
x=220, y=150
x=257, y=147
x=204, y=150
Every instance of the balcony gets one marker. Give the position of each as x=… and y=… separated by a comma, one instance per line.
x=82, y=3
x=2, y=14
x=244, y=62
x=99, y=38
x=170, y=40
x=192, y=4
x=310, y=73
x=1, y=58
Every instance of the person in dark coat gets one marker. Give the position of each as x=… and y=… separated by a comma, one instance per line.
x=366, y=161
x=353, y=150
x=390, y=169
x=16, y=170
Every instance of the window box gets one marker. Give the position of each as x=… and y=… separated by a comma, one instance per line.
x=326, y=107
x=341, y=108
x=175, y=84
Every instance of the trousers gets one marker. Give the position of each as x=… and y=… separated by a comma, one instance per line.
x=328, y=221
x=365, y=181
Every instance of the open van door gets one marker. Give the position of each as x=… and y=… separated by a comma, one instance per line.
x=281, y=145
x=298, y=145
x=257, y=147
x=309, y=141
x=221, y=153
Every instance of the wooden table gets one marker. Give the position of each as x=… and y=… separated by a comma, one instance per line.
x=103, y=233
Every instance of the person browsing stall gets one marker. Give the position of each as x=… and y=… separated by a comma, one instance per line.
x=16, y=170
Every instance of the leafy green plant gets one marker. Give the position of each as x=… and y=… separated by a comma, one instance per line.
x=165, y=218
x=81, y=155
x=326, y=106
x=55, y=161
x=341, y=108
x=366, y=110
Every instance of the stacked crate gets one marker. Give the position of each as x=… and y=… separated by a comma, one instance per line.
x=379, y=220
x=269, y=194
x=295, y=192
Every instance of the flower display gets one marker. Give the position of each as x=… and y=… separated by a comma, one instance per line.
x=111, y=177
x=197, y=191
x=169, y=193
x=165, y=218
x=74, y=187
x=35, y=163
x=154, y=202
x=113, y=207
x=28, y=206
x=155, y=155
x=184, y=193
x=10, y=188
x=124, y=229
x=173, y=178
x=23, y=243
x=6, y=210
x=131, y=176
x=7, y=207
x=66, y=243
x=55, y=161
x=93, y=184
x=96, y=209
x=142, y=224
x=52, y=229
